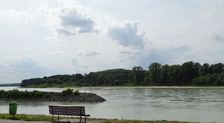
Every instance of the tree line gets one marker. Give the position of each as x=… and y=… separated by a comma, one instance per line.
x=187, y=74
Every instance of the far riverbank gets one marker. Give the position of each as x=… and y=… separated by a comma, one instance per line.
x=113, y=87
x=124, y=87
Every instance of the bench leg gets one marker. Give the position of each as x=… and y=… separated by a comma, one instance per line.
x=80, y=119
x=58, y=118
x=85, y=119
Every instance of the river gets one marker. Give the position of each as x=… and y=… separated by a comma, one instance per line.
x=140, y=103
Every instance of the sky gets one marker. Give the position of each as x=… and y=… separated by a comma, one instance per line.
x=47, y=37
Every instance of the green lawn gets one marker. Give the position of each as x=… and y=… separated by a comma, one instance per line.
x=137, y=121
x=27, y=117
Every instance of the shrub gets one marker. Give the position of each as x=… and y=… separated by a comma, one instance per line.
x=76, y=92
x=37, y=94
x=67, y=91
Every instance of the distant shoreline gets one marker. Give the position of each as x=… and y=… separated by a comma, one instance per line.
x=9, y=84
x=127, y=87
x=177, y=87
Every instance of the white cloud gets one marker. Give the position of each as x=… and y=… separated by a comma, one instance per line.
x=128, y=35
x=73, y=22
x=73, y=19
x=218, y=37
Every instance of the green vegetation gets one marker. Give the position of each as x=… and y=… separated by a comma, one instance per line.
x=137, y=121
x=20, y=95
x=187, y=74
x=67, y=91
x=27, y=117
x=210, y=79
x=65, y=95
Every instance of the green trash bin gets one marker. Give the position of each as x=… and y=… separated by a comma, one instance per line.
x=13, y=108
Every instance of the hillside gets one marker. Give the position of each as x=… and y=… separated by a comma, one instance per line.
x=186, y=74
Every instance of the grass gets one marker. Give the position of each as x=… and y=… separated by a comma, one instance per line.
x=137, y=121
x=27, y=117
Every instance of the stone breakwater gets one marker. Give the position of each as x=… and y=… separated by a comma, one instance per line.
x=49, y=96
x=81, y=97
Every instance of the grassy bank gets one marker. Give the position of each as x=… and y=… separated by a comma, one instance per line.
x=27, y=117
x=138, y=121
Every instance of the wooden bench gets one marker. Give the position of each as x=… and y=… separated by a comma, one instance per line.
x=68, y=110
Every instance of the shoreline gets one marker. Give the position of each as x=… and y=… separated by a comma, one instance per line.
x=153, y=87
x=120, y=87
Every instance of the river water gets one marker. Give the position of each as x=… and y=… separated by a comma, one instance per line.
x=141, y=103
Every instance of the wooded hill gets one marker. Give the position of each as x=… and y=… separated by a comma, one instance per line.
x=187, y=74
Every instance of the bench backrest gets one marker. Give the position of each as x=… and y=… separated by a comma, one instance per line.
x=67, y=110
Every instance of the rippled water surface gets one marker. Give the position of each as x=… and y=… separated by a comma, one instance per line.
x=189, y=104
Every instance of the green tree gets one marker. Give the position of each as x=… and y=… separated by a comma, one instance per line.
x=138, y=74
x=165, y=74
x=148, y=79
x=204, y=70
x=217, y=68
x=196, y=69
x=155, y=71
x=187, y=72
x=174, y=75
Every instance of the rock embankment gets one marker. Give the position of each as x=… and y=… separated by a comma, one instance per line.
x=50, y=96
x=81, y=97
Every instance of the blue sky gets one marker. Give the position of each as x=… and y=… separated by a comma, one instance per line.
x=44, y=37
